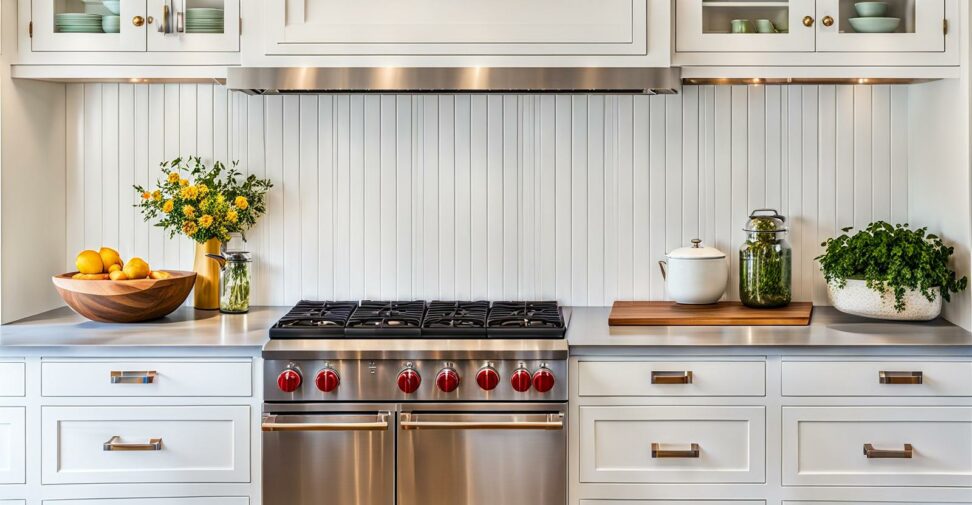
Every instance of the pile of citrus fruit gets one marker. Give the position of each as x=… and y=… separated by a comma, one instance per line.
x=106, y=264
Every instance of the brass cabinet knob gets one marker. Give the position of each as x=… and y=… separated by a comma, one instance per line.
x=138, y=21
x=807, y=21
x=827, y=21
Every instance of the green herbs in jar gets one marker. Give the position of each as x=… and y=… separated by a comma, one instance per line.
x=765, y=263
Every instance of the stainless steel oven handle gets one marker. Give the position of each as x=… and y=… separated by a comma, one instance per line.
x=381, y=424
x=553, y=422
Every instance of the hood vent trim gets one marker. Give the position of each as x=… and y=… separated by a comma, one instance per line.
x=444, y=80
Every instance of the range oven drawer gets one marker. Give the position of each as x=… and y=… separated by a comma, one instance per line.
x=443, y=456
x=344, y=456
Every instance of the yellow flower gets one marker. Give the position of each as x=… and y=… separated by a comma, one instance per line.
x=232, y=216
x=241, y=203
x=173, y=177
x=220, y=199
x=183, y=182
x=189, y=193
x=189, y=228
x=206, y=221
x=168, y=206
x=157, y=195
x=202, y=189
x=188, y=211
x=146, y=195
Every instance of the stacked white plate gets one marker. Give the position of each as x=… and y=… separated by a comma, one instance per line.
x=70, y=22
x=204, y=20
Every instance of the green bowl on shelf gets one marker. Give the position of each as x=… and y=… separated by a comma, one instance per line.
x=874, y=25
x=871, y=9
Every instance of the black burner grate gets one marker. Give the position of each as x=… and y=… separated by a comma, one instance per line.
x=520, y=319
x=386, y=319
x=456, y=319
x=310, y=319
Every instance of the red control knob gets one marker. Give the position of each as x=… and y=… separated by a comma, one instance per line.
x=289, y=380
x=521, y=380
x=487, y=378
x=447, y=380
x=409, y=380
x=327, y=380
x=543, y=380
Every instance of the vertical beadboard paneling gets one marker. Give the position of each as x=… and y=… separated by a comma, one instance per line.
x=490, y=196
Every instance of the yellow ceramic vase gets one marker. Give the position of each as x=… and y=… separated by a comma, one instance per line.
x=206, y=292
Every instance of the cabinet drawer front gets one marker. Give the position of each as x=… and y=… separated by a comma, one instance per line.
x=170, y=378
x=239, y=500
x=12, y=445
x=671, y=502
x=863, y=378
x=11, y=379
x=825, y=446
x=177, y=444
x=708, y=378
x=616, y=444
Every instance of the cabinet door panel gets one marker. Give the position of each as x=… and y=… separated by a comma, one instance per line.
x=442, y=27
x=706, y=26
x=12, y=445
x=49, y=37
x=191, y=34
x=920, y=28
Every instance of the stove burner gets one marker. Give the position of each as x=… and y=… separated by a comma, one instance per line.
x=312, y=318
x=508, y=319
x=378, y=319
x=456, y=319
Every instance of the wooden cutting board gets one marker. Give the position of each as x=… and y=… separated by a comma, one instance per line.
x=718, y=314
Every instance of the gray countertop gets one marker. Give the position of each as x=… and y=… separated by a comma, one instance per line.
x=588, y=330
x=186, y=327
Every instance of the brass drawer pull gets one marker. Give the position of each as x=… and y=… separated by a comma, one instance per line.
x=888, y=377
x=131, y=377
x=658, y=453
x=873, y=453
x=671, y=377
x=154, y=444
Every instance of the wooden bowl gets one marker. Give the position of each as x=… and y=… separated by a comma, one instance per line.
x=125, y=301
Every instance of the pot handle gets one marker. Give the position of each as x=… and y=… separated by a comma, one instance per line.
x=661, y=265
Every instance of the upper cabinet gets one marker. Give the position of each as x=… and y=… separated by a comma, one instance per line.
x=465, y=32
x=825, y=32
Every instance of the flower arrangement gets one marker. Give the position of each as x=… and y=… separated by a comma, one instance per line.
x=204, y=203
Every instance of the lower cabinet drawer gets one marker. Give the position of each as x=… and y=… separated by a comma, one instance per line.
x=789, y=502
x=239, y=500
x=12, y=445
x=107, y=445
x=672, y=444
x=11, y=378
x=671, y=378
x=151, y=378
x=877, y=378
x=877, y=446
x=12, y=502
x=672, y=502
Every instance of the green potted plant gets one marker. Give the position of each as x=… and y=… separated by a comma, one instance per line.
x=889, y=272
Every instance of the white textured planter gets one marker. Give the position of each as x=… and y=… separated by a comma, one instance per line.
x=858, y=299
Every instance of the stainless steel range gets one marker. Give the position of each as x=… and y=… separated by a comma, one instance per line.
x=416, y=403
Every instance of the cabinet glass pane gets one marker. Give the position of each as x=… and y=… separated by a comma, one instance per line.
x=205, y=16
x=888, y=16
x=87, y=16
x=755, y=16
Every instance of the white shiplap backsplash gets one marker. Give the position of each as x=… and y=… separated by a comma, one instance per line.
x=536, y=196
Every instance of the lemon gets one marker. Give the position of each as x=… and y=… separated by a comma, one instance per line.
x=136, y=268
x=118, y=275
x=114, y=268
x=89, y=262
x=110, y=257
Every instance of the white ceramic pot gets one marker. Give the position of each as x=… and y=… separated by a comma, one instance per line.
x=858, y=299
x=695, y=275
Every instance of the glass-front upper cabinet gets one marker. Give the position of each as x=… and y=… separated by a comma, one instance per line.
x=745, y=26
x=886, y=26
x=194, y=25
x=135, y=25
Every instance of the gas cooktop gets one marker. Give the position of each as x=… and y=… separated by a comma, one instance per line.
x=420, y=319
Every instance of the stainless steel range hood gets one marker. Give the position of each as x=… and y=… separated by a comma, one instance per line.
x=292, y=80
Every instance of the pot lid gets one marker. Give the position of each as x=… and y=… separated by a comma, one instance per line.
x=696, y=252
x=765, y=220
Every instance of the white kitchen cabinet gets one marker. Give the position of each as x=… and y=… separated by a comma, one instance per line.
x=460, y=27
x=11, y=379
x=921, y=28
x=12, y=445
x=109, y=445
x=705, y=25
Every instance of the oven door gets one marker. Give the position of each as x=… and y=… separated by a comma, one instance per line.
x=479, y=455
x=338, y=456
